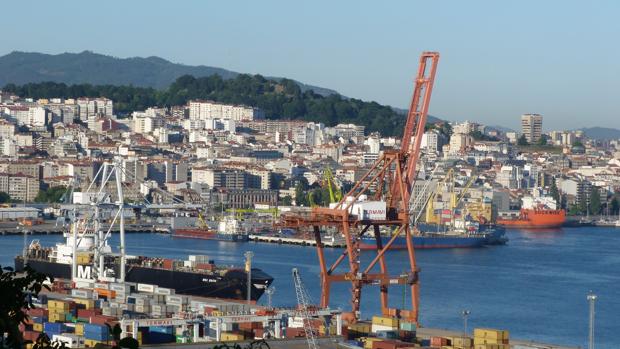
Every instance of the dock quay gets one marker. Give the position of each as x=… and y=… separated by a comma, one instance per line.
x=334, y=243
x=51, y=228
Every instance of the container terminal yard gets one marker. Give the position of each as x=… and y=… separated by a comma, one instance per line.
x=97, y=288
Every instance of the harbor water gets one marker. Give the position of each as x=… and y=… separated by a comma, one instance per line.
x=535, y=286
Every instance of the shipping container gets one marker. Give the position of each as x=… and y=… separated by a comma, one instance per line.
x=53, y=328
x=385, y=321
x=70, y=340
x=488, y=333
x=439, y=341
x=146, y=288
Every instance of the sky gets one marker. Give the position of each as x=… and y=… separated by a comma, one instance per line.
x=499, y=59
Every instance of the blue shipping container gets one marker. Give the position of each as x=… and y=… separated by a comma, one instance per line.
x=39, y=319
x=158, y=338
x=53, y=327
x=162, y=329
x=95, y=328
x=97, y=336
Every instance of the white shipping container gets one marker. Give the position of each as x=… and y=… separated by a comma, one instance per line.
x=369, y=210
x=146, y=288
x=78, y=293
x=84, y=284
x=374, y=328
x=102, y=285
x=176, y=300
x=164, y=291
x=143, y=301
x=142, y=308
x=70, y=340
x=120, y=288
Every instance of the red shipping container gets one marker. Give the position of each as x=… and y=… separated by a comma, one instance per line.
x=31, y=335
x=86, y=313
x=439, y=341
x=205, y=266
x=292, y=332
x=40, y=312
x=389, y=344
x=102, y=320
x=167, y=264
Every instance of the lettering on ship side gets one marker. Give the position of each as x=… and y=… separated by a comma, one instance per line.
x=84, y=272
x=209, y=280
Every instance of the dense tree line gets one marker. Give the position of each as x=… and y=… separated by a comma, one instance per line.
x=281, y=99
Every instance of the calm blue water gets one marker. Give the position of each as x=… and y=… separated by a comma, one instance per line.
x=535, y=286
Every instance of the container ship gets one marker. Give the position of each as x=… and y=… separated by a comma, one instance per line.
x=536, y=213
x=197, y=276
x=228, y=230
x=535, y=219
x=428, y=239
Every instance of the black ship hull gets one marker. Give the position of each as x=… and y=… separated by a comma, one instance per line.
x=230, y=285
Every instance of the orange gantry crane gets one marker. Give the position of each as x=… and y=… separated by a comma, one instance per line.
x=389, y=183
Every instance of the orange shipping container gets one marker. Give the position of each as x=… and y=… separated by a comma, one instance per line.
x=105, y=293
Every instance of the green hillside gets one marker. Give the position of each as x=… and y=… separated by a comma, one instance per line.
x=281, y=99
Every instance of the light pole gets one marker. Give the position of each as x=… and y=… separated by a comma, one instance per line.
x=592, y=299
x=465, y=314
x=248, y=269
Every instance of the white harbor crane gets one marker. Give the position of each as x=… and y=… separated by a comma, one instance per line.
x=303, y=301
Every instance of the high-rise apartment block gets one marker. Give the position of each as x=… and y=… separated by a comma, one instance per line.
x=531, y=126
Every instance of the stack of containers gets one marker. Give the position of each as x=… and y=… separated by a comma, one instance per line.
x=486, y=338
x=142, y=304
x=121, y=290
x=95, y=333
x=383, y=323
x=38, y=316
x=407, y=331
x=60, y=311
x=357, y=330
x=103, y=290
x=462, y=343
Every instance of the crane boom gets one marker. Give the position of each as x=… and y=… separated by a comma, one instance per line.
x=418, y=113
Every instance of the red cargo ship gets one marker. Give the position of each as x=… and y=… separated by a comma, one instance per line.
x=535, y=219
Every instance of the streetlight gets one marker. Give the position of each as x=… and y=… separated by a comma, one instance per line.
x=465, y=314
x=248, y=269
x=592, y=299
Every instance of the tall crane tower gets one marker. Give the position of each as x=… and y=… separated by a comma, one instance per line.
x=388, y=181
x=303, y=301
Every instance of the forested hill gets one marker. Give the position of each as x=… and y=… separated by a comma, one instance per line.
x=282, y=99
x=93, y=68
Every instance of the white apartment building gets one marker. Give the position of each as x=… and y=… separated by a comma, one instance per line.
x=92, y=107
x=531, y=127
x=37, y=116
x=430, y=141
x=202, y=110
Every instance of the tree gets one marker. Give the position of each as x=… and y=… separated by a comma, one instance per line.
x=615, y=205
x=542, y=141
x=595, y=201
x=555, y=193
x=16, y=293
x=51, y=195
x=4, y=197
x=522, y=141
x=287, y=200
x=300, y=195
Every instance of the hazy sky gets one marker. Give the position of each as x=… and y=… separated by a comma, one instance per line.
x=499, y=59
